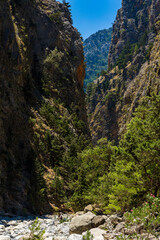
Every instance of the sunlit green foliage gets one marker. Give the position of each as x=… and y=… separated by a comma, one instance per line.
x=137, y=164
x=118, y=178
x=96, y=49
x=148, y=215
x=91, y=185
x=88, y=236
x=35, y=231
x=114, y=177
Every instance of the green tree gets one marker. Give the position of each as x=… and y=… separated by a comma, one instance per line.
x=91, y=185
x=136, y=167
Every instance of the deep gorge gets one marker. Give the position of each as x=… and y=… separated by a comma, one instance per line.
x=60, y=152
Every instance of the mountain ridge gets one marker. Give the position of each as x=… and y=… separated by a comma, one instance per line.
x=133, y=55
x=96, y=48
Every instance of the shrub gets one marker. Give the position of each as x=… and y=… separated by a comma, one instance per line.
x=56, y=17
x=148, y=215
x=52, y=71
x=36, y=232
x=88, y=236
x=136, y=168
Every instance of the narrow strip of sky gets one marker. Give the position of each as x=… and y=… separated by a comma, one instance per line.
x=89, y=16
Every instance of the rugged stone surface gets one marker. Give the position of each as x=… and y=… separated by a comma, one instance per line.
x=32, y=33
x=97, y=233
x=113, y=97
x=82, y=223
x=96, y=49
x=85, y=222
x=88, y=208
x=97, y=221
x=18, y=227
x=132, y=21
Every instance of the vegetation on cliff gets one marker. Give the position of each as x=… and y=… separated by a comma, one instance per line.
x=118, y=178
x=96, y=49
x=42, y=113
x=48, y=162
x=133, y=70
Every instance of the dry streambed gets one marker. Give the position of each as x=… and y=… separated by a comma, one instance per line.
x=101, y=227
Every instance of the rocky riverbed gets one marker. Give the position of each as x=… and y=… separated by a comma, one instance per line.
x=17, y=228
x=73, y=228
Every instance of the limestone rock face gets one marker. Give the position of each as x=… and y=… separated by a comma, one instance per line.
x=132, y=21
x=41, y=62
x=134, y=61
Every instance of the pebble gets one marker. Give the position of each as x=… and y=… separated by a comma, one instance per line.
x=17, y=228
x=3, y=237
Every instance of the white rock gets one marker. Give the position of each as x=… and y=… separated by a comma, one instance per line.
x=75, y=237
x=13, y=223
x=81, y=223
x=119, y=227
x=21, y=237
x=60, y=238
x=2, y=227
x=97, y=220
x=88, y=208
x=97, y=233
x=3, y=237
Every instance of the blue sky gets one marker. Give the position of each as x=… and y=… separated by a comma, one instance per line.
x=89, y=16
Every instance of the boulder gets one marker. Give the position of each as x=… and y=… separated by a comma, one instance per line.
x=88, y=208
x=81, y=223
x=76, y=214
x=97, y=233
x=75, y=237
x=120, y=227
x=98, y=211
x=114, y=219
x=111, y=236
x=134, y=229
x=98, y=220
x=2, y=228
x=3, y=237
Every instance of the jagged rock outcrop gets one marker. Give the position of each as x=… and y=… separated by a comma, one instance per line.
x=96, y=49
x=134, y=69
x=135, y=21
x=41, y=79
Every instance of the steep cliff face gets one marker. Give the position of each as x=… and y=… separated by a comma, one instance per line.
x=41, y=79
x=96, y=49
x=134, y=69
x=134, y=22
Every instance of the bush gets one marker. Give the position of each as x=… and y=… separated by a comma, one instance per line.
x=136, y=167
x=52, y=71
x=56, y=17
x=36, y=232
x=88, y=236
x=148, y=215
